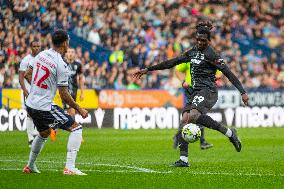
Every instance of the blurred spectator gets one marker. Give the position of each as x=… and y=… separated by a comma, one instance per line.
x=142, y=33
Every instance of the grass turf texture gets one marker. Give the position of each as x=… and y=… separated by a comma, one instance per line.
x=106, y=153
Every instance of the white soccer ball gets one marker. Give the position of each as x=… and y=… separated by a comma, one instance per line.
x=191, y=132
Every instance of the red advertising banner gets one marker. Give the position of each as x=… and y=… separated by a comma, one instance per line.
x=140, y=98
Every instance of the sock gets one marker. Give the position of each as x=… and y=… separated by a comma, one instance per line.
x=30, y=128
x=36, y=148
x=229, y=133
x=183, y=145
x=73, y=146
x=202, y=138
x=208, y=122
x=184, y=159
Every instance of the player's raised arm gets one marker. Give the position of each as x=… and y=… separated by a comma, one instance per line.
x=233, y=79
x=163, y=65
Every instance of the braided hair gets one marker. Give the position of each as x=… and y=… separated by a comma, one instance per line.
x=204, y=27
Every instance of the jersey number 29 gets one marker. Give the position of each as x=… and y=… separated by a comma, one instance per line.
x=39, y=81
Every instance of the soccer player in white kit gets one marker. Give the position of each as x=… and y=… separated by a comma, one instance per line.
x=47, y=73
x=24, y=65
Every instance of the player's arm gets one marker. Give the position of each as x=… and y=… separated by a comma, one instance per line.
x=22, y=83
x=81, y=83
x=66, y=97
x=28, y=74
x=181, y=75
x=232, y=78
x=62, y=84
x=163, y=65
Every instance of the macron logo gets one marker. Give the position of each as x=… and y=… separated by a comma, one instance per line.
x=99, y=114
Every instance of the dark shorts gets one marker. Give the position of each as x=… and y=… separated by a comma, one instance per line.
x=202, y=100
x=73, y=93
x=55, y=118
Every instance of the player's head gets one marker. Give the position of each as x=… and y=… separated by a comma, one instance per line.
x=60, y=40
x=35, y=47
x=70, y=55
x=203, y=36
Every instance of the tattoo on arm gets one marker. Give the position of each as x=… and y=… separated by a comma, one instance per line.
x=65, y=95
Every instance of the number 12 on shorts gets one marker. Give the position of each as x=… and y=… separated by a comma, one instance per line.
x=39, y=80
x=197, y=100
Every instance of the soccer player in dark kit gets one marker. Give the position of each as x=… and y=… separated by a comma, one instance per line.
x=204, y=63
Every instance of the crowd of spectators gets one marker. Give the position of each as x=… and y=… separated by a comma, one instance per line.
x=140, y=33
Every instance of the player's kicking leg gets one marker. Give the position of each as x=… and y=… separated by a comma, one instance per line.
x=203, y=144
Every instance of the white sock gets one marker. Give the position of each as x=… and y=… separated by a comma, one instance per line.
x=37, y=145
x=184, y=159
x=73, y=146
x=229, y=133
x=30, y=128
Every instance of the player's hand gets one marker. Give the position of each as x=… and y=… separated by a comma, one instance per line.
x=26, y=93
x=138, y=74
x=81, y=96
x=83, y=113
x=185, y=85
x=245, y=99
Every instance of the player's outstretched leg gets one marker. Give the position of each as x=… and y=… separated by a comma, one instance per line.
x=203, y=144
x=212, y=124
x=73, y=146
x=36, y=148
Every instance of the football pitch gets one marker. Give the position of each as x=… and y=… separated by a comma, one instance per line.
x=141, y=159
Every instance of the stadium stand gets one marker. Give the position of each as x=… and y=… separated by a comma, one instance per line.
x=111, y=38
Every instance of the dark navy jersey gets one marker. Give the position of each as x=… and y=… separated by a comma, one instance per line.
x=204, y=64
x=75, y=69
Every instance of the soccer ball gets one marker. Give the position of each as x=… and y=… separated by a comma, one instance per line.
x=191, y=132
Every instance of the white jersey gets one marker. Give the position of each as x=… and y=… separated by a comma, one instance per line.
x=49, y=71
x=27, y=60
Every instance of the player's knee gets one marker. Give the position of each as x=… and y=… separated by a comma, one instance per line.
x=194, y=115
x=45, y=133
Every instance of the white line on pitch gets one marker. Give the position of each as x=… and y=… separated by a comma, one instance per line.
x=141, y=170
x=136, y=169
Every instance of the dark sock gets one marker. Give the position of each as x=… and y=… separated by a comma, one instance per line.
x=202, y=139
x=208, y=122
x=183, y=145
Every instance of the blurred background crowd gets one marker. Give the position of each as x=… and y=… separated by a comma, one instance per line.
x=249, y=35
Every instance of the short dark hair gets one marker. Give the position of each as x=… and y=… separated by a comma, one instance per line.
x=33, y=41
x=58, y=37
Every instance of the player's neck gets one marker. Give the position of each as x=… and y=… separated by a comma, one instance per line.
x=59, y=50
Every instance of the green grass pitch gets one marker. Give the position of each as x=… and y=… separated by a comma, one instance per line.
x=141, y=159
